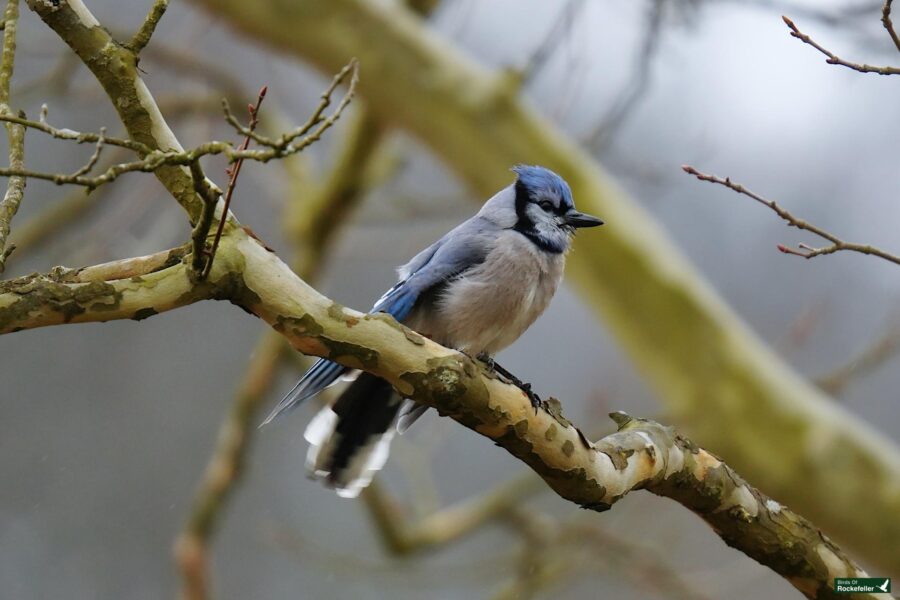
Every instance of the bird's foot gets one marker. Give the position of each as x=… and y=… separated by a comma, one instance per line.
x=536, y=402
x=508, y=377
x=487, y=360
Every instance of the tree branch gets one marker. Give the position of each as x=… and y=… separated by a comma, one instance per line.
x=234, y=172
x=476, y=122
x=312, y=225
x=888, y=24
x=200, y=258
x=142, y=36
x=15, y=189
x=833, y=59
x=287, y=144
x=885, y=348
x=137, y=109
x=804, y=251
x=76, y=136
x=641, y=455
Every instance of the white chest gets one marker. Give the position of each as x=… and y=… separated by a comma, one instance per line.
x=494, y=303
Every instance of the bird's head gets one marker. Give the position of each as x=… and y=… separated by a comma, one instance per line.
x=545, y=210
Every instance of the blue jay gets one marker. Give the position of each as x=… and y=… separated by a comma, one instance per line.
x=477, y=289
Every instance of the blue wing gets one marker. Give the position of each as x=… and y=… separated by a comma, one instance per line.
x=459, y=250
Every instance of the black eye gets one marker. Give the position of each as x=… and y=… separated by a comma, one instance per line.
x=546, y=205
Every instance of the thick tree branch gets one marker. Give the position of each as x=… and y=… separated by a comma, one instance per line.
x=649, y=296
x=642, y=455
x=805, y=251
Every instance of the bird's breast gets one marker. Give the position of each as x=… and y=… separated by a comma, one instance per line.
x=491, y=305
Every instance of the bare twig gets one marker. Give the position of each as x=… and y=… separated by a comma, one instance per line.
x=92, y=160
x=886, y=347
x=210, y=197
x=556, y=32
x=641, y=73
x=15, y=189
x=78, y=202
x=804, y=250
x=76, y=136
x=404, y=536
x=284, y=144
x=142, y=36
x=233, y=172
x=52, y=219
x=888, y=24
x=287, y=144
x=833, y=59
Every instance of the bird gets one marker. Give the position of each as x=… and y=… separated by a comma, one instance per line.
x=476, y=290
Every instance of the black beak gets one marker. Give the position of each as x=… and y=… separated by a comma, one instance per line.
x=577, y=219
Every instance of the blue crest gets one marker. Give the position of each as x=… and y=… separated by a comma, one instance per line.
x=537, y=179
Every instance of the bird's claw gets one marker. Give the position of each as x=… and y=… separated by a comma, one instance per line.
x=488, y=361
x=509, y=378
x=536, y=402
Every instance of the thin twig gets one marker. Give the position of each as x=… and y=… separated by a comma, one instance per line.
x=558, y=31
x=888, y=24
x=285, y=145
x=92, y=160
x=77, y=203
x=833, y=59
x=210, y=199
x=52, y=219
x=15, y=189
x=804, y=250
x=641, y=74
x=405, y=536
x=143, y=35
x=886, y=347
x=233, y=172
x=76, y=136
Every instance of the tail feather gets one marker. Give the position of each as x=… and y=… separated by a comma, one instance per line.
x=409, y=414
x=350, y=441
x=322, y=374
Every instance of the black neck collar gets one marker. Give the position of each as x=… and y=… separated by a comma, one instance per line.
x=525, y=225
